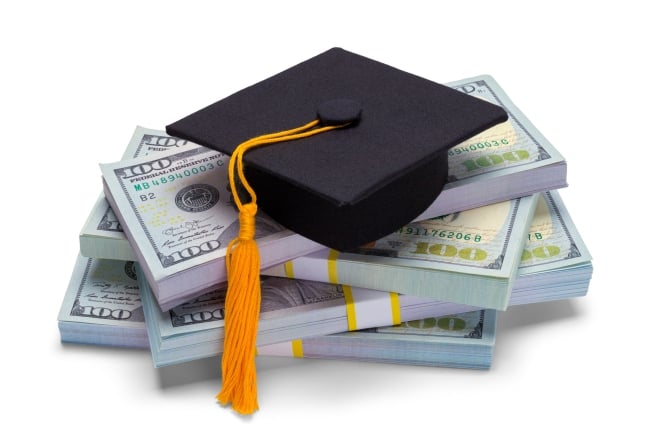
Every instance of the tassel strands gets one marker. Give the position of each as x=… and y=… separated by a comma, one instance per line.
x=242, y=308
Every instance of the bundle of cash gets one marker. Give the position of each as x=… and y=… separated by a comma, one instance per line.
x=103, y=306
x=470, y=257
x=464, y=340
x=553, y=262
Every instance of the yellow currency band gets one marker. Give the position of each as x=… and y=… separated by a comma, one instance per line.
x=331, y=266
x=296, y=348
x=288, y=269
x=395, y=308
x=349, y=308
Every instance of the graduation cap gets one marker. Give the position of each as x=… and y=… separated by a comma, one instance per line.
x=341, y=149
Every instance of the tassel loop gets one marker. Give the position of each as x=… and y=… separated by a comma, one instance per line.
x=247, y=221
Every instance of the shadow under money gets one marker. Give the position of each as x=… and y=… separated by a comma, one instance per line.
x=202, y=370
x=529, y=315
x=209, y=370
x=517, y=322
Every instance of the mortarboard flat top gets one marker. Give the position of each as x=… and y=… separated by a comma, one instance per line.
x=353, y=185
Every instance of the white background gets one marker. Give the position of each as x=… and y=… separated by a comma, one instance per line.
x=77, y=77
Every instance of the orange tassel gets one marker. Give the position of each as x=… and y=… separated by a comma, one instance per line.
x=243, y=298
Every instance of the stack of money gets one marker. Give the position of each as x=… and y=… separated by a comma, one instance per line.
x=151, y=271
x=104, y=306
x=553, y=262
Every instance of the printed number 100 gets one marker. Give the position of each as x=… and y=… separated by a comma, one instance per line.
x=447, y=250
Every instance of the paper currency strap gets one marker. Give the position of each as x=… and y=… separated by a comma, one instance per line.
x=367, y=308
x=242, y=305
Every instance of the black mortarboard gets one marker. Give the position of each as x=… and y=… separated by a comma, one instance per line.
x=353, y=185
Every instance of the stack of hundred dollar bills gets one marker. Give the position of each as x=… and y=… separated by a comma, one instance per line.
x=150, y=271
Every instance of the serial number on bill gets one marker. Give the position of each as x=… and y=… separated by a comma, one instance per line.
x=436, y=233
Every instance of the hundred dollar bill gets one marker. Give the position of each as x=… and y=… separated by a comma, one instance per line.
x=509, y=160
x=468, y=257
x=554, y=256
x=463, y=340
x=102, y=305
x=177, y=213
x=102, y=235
